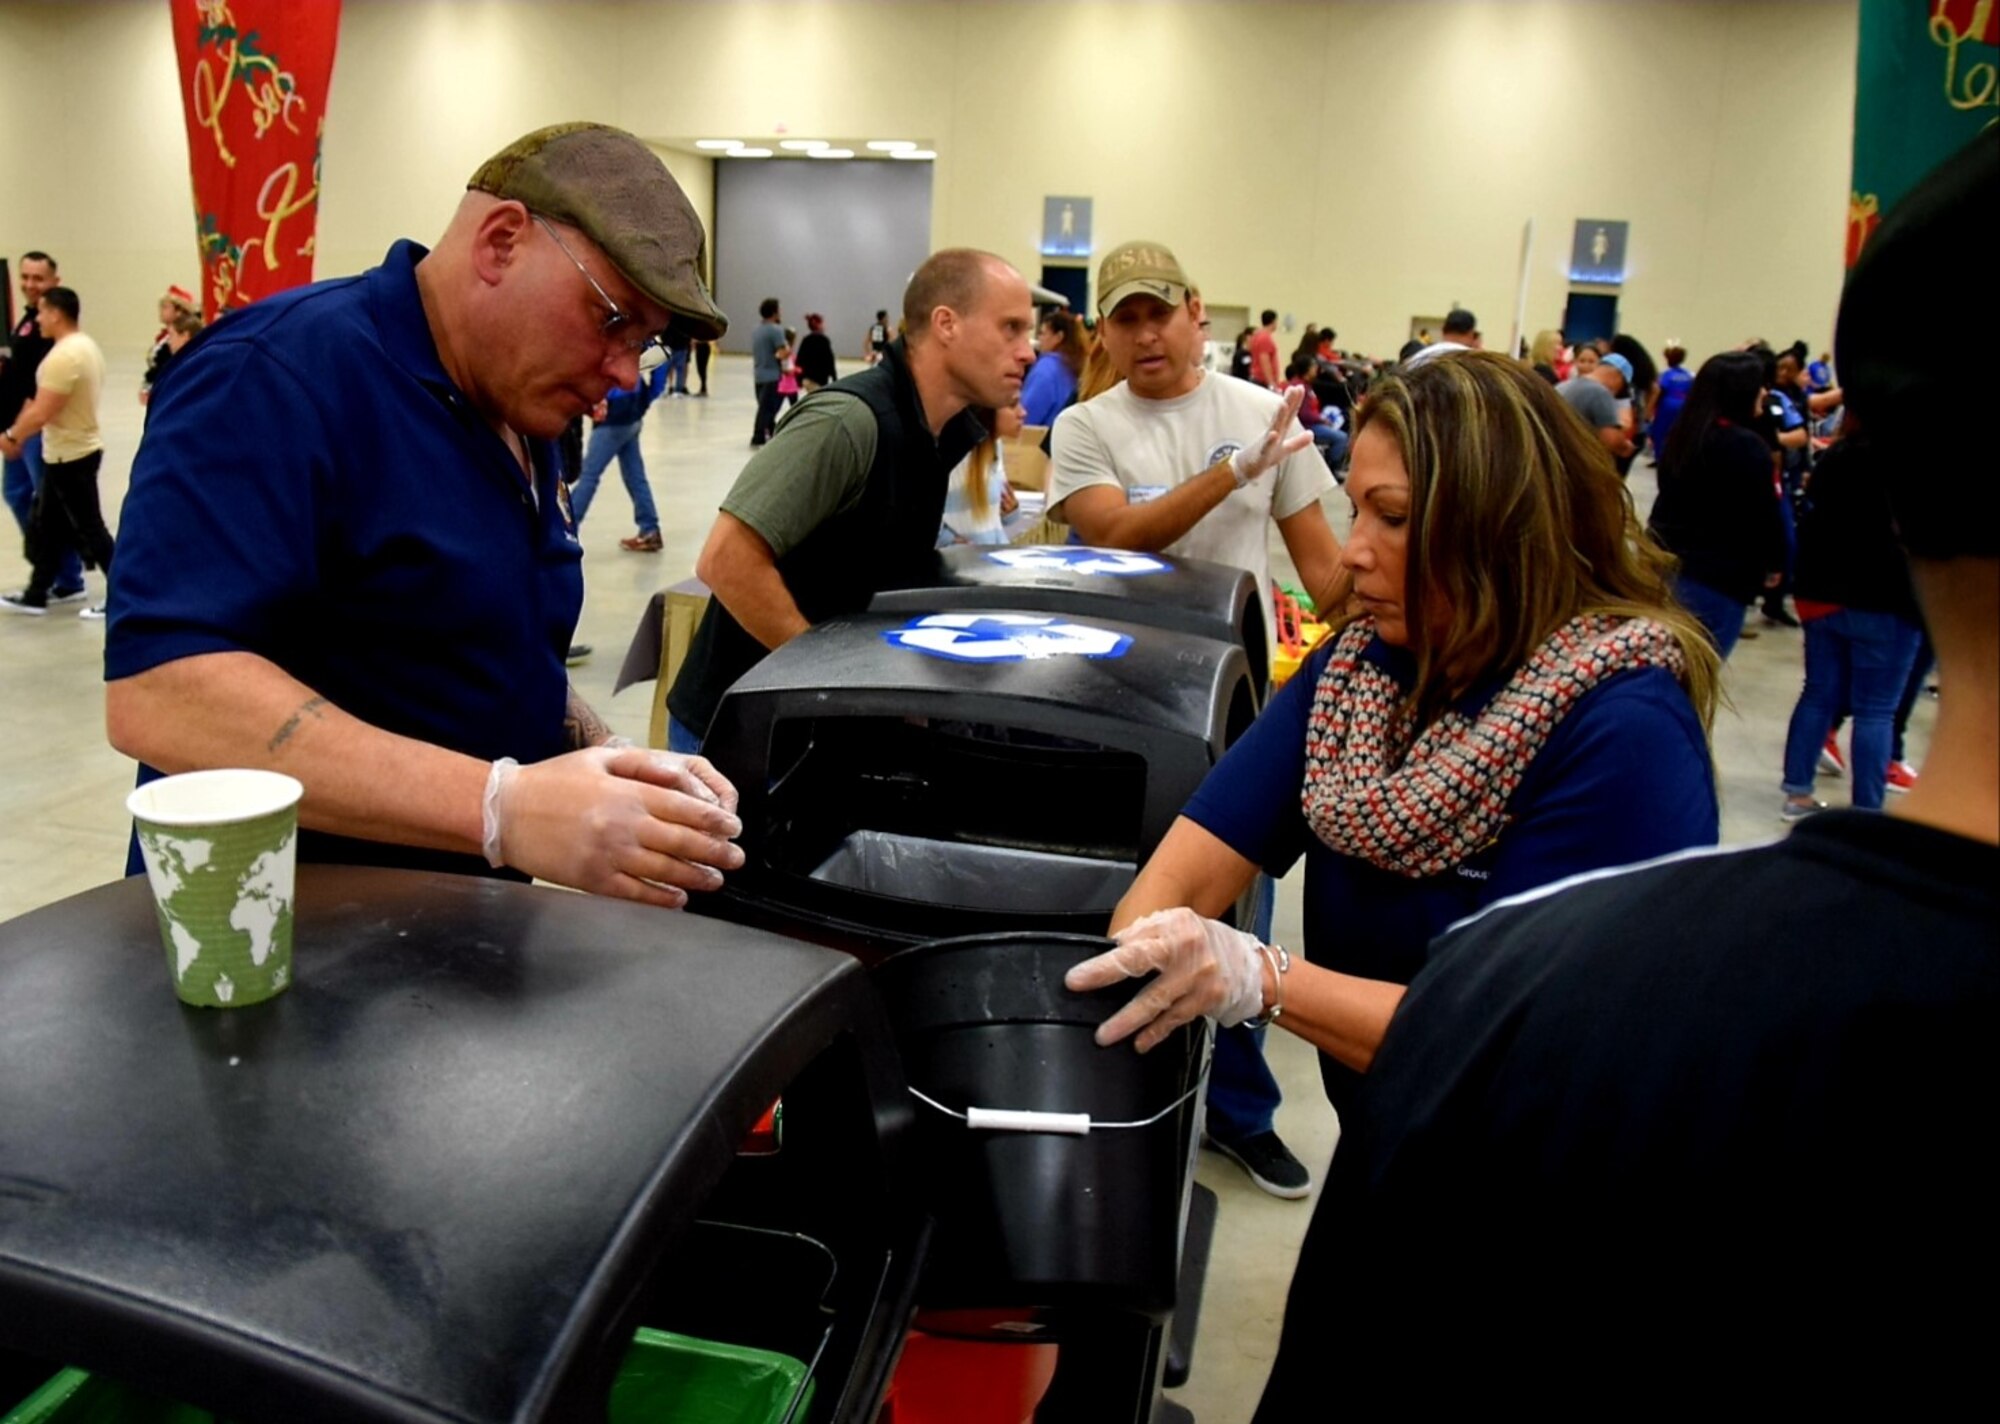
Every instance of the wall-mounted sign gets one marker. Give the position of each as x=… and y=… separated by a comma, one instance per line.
x=1598, y=253
x=1065, y=227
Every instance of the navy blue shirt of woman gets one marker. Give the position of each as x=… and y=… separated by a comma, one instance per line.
x=1624, y=777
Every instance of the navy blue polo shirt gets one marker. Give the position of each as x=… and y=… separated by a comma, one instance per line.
x=312, y=488
x=1624, y=777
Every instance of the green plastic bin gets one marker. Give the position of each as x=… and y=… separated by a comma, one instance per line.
x=79, y=1397
x=677, y=1379
x=665, y=1379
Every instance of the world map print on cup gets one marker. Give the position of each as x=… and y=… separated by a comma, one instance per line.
x=221, y=850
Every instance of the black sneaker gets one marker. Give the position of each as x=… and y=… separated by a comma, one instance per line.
x=1269, y=1162
x=576, y=654
x=67, y=595
x=18, y=603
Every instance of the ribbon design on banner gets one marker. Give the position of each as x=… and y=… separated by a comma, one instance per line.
x=1969, y=82
x=255, y=76
x=1927, y=80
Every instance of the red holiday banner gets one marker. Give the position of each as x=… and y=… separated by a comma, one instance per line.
x=254, y=77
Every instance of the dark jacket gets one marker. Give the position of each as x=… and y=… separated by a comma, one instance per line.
x=1718, y=513
x=25, y=351
x=624, y=407
x=1848, y=551
x=816, y=359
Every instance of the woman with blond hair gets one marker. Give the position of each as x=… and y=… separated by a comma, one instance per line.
x=1483, y=725
x=979, y=498
x=1546, y=356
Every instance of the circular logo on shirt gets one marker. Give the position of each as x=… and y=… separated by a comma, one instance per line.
x=1005, y=638
x=1221, y=452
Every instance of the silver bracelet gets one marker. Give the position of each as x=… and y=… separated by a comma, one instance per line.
x=1280, y=960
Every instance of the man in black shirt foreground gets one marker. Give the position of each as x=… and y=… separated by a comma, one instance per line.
x=1718, y=1131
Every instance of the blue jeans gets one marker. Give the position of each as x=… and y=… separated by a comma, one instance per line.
x=768, y=402
x=1858, y=661
x=622, y=441
x=22, y=478
x=1332, y=443
x=677, y=371
x=681, y=737
x=1788, y=515
x=1913, y=688
x=1243, y=1096
x=1720, y=614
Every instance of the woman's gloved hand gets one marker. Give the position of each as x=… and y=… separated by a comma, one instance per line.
x=1204, y=968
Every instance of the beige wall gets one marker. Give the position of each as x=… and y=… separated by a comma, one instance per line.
x=1346, y=162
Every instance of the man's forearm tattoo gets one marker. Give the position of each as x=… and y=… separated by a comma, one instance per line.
x=310, y=708
x=582, y=727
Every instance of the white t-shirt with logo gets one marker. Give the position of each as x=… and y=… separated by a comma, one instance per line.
x=1147, y=447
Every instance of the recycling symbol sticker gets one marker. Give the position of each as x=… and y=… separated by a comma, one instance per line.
x=1079, y=559
x=1005, y=638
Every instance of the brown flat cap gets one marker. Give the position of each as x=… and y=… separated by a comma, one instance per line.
x=612, y=188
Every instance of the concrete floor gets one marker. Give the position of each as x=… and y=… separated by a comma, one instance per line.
x=62, y=790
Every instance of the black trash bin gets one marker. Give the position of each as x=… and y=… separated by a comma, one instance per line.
x=1162, y=591
x=483, y=1137
x=1058, y=1171
x=915, y=777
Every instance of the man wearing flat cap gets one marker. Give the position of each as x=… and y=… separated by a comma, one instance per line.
x=349, y=555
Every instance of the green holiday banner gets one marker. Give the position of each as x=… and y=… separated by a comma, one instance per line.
x=1927, y=80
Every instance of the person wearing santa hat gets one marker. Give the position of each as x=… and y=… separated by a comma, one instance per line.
x=177, y=302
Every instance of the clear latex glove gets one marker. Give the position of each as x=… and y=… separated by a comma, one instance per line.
x=1285, y=437
x=1204, y=968
x=631, y=822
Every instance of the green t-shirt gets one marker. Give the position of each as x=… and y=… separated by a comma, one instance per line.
x=815, y=467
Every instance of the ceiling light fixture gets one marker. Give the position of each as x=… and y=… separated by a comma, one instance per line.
x=890, y=145
x=748, y=153
x=723, y=145
x=917, y=153
x=804, y=145
x=831, y=153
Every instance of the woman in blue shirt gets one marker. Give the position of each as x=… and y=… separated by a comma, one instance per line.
x=1051, y=382
x=1518, y=700
x=1669, y=397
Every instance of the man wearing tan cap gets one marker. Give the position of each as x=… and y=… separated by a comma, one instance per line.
x=1175, y=460
x=348, y=555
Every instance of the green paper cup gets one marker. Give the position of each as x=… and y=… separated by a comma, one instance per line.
x=220, y=849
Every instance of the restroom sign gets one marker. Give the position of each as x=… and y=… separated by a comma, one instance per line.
x=1005, y=638
x=1079, y=559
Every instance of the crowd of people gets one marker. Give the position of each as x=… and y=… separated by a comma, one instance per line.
x=1599, y=1123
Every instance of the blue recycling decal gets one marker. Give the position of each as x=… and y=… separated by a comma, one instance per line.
x=1079, y=559
x=1005, y=638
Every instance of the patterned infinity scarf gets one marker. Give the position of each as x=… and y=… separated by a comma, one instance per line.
x=1419, y=805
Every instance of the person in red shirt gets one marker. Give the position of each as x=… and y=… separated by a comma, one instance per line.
x=1264, y=352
